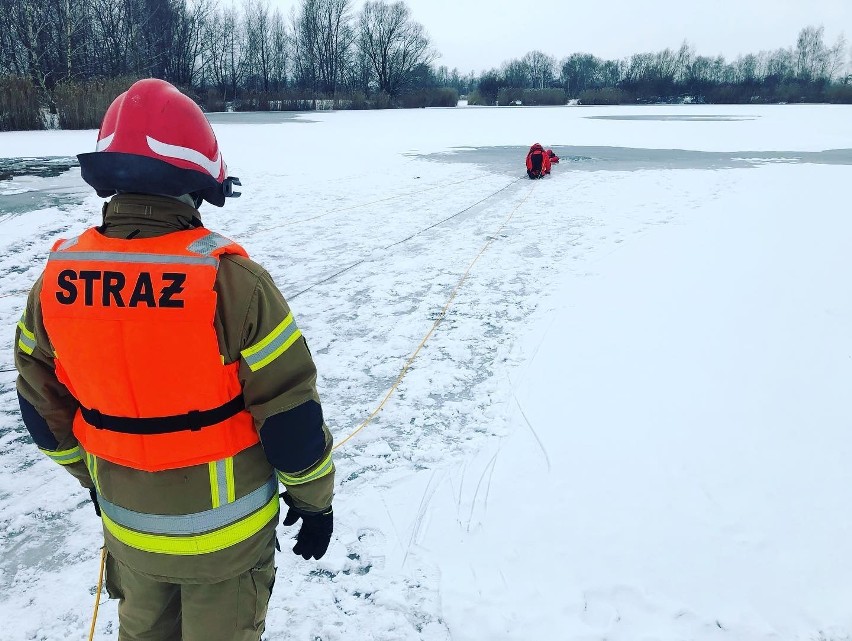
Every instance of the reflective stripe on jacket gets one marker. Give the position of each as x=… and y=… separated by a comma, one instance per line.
x=229, y=521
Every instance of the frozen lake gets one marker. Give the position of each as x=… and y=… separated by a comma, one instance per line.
x=632, y=422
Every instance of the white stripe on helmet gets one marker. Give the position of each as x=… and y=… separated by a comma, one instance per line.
x=103, y=143
x=212, y=167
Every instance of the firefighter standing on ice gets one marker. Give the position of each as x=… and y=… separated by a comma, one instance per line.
x=164, y=370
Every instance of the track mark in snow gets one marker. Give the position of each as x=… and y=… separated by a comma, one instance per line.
x=488, y=471
x=428, y=493
x=534, y=433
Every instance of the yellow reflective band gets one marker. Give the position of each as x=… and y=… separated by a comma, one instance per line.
x=65, y=457
x=222, y=482
x=24, y=330
x=26, y=349
x=92, y=464
x=276, y=343
x=324, y=469
x=229, y=479
x=197, y=544
x=214, y=484
x=27, y=341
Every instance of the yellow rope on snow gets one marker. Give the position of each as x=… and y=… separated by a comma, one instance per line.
x=98, y=593
x=437, y=322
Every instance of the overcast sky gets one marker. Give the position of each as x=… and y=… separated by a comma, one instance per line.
x=480, y=34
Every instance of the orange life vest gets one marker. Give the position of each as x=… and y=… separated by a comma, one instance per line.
x=131, y=325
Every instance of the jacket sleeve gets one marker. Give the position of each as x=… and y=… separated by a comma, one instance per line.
x=278, y=376
x=47, y=407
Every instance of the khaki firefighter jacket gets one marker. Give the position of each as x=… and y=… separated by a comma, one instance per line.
x=190, y=523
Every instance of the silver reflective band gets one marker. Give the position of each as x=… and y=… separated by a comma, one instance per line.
x=27, y=341
x=222, y=481
x=209, y=243
x=65, y=244
x=121, y=257
x=258, y=357
x=197, y=523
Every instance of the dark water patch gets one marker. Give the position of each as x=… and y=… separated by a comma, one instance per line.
x=677, y=118
x=46, y=167
x=258, y=118
x=29, y=184
x=510, y=160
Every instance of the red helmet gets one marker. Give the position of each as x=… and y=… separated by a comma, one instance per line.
x=155, y=140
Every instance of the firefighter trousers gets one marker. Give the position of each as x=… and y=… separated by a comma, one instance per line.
x=156, y=610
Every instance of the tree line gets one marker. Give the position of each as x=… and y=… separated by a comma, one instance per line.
x=69, y=58
x=248, y=56
x=810, y=71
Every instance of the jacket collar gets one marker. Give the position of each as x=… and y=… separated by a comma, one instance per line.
x=147, y=216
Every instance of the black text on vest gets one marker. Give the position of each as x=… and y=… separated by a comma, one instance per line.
x=113, y=287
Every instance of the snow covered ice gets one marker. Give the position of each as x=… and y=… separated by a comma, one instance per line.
x=632, y=423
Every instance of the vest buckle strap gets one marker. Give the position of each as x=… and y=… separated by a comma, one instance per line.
x=192, y=421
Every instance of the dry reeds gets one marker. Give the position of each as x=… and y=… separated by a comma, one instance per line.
x=20, y=107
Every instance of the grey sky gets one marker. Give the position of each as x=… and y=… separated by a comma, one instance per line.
x=480, y=34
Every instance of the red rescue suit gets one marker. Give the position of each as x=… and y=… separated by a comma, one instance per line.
x=538, y=162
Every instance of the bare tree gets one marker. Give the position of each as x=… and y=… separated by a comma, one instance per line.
x=394, y=44
x=358, y=71
x=258, y=43
x=847, y=79
x=279, y=63
x=335, y=42
x=30, y=25
x=812, y=56
x=516, y=73
x=304, y=48
x=186, y=61
x=836, y=58
x=683, y=61
x=579, y=72
x=748, y=70
x=112, y=28
x=224, y=52
x=541, y=68
x=69, y=17
x=780, y=66
x=322, y=39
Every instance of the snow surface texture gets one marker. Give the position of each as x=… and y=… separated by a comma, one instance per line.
x=631, y=425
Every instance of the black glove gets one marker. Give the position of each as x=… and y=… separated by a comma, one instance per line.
x=94, y=496
x=314, y=535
